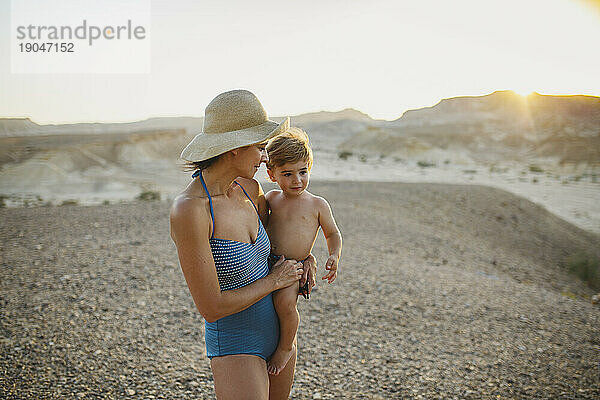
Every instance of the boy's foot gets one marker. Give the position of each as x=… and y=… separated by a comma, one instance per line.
x=279, y=359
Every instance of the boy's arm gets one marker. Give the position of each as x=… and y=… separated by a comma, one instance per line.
x=333, y=238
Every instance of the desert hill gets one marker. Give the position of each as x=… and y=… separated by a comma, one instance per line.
x=110, y=161
x=568, y=115
x=32, y=151
x=328, y=116
x=502, y=126
x=10, y=127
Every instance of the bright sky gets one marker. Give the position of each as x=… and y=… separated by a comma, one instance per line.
x=380, y=57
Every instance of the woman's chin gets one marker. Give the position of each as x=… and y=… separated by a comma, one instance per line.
x=250, y=174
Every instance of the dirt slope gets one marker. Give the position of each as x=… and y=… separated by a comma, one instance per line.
x=444, y=291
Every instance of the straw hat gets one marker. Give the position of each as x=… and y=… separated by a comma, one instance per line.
x=232, y=119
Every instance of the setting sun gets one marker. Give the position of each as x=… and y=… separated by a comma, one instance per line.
x=524, y=92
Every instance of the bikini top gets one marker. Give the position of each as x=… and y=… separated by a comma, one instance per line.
x=238, y=263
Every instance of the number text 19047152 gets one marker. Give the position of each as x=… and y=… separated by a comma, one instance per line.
x=47, y=47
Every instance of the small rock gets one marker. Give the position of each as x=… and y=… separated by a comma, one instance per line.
x=130, y=392
x=317, y=395
x=596, y=298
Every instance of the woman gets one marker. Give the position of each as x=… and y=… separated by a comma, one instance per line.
x=223, y=248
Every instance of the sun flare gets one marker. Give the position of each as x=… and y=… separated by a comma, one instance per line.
x=524, y=92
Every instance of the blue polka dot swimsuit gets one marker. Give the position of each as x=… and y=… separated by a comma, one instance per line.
x=254, y=330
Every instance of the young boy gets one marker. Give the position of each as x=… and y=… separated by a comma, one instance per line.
x=293, y=221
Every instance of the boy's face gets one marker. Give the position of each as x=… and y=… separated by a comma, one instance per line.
x=292, y=178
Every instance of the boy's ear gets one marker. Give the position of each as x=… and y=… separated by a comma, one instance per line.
x=271, y=176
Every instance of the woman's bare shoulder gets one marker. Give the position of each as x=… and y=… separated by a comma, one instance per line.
x=251, y=186
x=190, y=218
x=185, y=206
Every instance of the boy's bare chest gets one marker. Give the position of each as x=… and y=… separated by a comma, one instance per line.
x=292, y=230
x=298, y=216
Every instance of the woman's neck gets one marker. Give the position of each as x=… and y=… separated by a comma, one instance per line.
x=219, y=177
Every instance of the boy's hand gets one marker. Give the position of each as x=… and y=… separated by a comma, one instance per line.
x=310, y=272
x=331, y=266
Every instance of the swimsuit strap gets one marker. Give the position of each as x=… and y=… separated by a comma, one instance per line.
x=198, y=174
x=247, y=196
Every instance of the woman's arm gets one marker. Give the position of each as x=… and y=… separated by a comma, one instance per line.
x=191, y=232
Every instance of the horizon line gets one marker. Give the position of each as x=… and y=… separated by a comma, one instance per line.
x=165, y=116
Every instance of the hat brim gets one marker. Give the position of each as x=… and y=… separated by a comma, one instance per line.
x=207, y=145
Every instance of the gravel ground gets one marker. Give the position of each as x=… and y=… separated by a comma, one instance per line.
x=444, y=292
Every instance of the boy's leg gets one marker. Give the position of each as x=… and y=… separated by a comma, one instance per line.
x=281, y=385
x=285, y=305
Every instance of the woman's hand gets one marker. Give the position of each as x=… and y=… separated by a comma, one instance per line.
x=285, y=273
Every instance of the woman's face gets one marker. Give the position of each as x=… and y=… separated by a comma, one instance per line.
x=249, y=159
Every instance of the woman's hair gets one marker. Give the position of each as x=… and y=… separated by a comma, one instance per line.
x=199, y=165
x=289, y=147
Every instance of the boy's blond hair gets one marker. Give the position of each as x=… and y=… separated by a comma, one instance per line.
x=289, y=147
